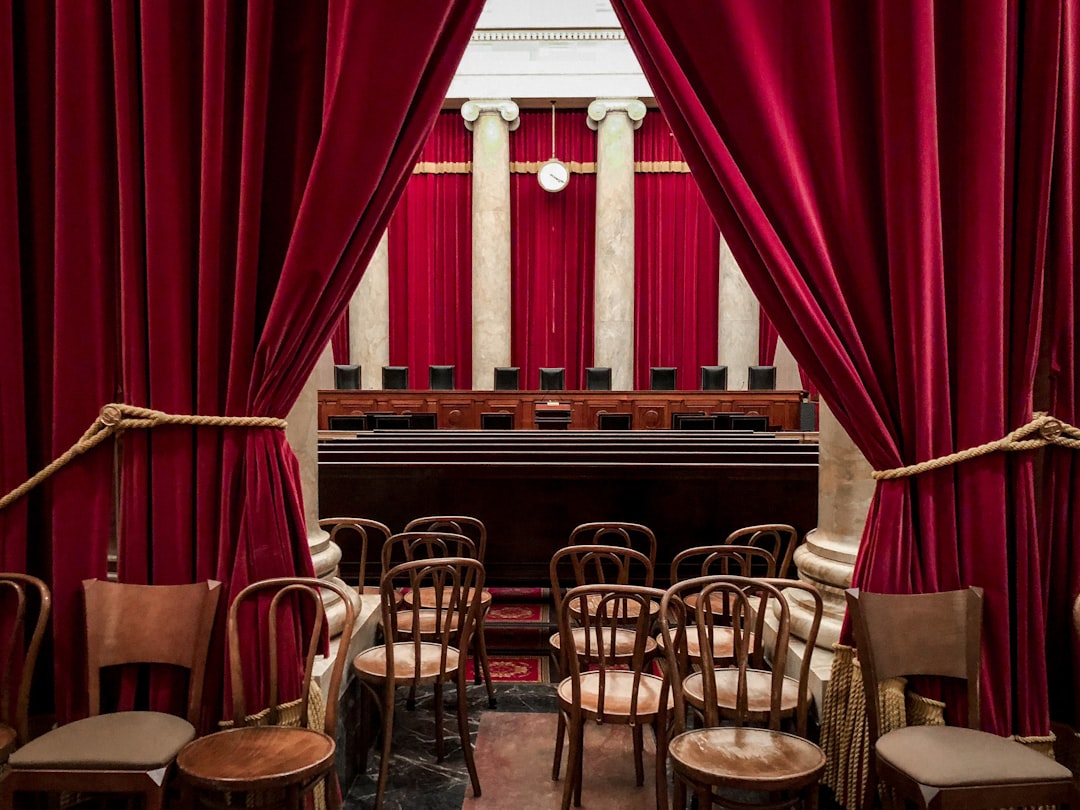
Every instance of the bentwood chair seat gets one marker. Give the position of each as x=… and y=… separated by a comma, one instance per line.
x=943, y=766
x=421, y=664
x=125, y=751
x=620, y=647
x=263, y=760
x=780, y=761
x=27, y=602
x=620, y=688
x=759, y=688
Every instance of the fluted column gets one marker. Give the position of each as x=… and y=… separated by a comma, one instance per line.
x=369, y=319
x=613, y=316
x=738, y=322
x=491, y=123
x=303, y=436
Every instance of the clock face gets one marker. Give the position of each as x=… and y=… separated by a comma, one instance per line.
x=553, y=175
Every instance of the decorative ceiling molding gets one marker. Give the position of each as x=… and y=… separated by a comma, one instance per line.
x=548, y=35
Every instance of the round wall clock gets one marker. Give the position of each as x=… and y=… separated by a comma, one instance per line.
x=553, y=175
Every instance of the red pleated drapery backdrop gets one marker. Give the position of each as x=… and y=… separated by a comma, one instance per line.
x=553, y=248
x=897, y=182
x=676, y=261
x=189, y=194
x=430, y=258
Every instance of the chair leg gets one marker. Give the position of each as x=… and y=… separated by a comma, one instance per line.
x=485, y=665
x=558, y=747
x=579, y=763
x=639, y=754
x=572, y=775
x=679, y=797
x=154, y=799
x=440, y=745
x=466, y=736
x=388, y=734
x=660, y=728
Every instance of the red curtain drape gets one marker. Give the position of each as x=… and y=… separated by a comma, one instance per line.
x=676, y=262
x=767, y=340
x=190, y=192
x=430, y=256
x=553, y=248
x=885, y=174
x=339, y=339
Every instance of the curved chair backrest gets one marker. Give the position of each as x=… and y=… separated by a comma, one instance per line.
x=174, y=627
x=270, y=612
x=732, y=560
x=779, y=538
x=453, y=613
x=350, y=532
x=458, y=524
x=763, y=597
x=603, y=609
x=597, y=565
x=616, y=533
x=28, y=602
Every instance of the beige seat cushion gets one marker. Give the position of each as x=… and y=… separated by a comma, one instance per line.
x=133, y=741
x=949, y=756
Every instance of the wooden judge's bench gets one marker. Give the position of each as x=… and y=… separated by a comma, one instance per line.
x=574, y=410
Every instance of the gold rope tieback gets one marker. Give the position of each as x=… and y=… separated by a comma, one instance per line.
x=1039, y=432
x=116, y=418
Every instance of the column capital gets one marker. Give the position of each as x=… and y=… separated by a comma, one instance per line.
x=599, y=109
x=506, y=109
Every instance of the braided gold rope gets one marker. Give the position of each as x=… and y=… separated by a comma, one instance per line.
x=118, y=417
x=1039, y=432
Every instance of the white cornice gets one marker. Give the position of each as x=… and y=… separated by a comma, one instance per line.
x=548, y=35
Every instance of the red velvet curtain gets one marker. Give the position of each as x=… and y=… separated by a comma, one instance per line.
x=553, y=249
x=430, y=255
x=190, y=193
x=767, y=340
x=339, y=339
x=676, y=262
x=1062, y=516
x=888, y=176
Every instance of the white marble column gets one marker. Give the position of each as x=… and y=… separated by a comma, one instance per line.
x=827, y=558
x=369, y=319
x=787, y=370
x=738, y=322
x=303, y=436
x=613, y=315
x=491, y=122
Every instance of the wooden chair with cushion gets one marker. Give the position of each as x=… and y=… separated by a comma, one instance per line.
x=25, y=603
x=431, y=658
x=125, y=751
x=727, y=757
x=779, y=539
x=943, y=766
x=624, y=693
x=276, y=754
x=354, y=536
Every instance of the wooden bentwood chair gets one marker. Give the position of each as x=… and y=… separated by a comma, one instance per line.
x=943, y=767
x=272, y=757
x=721, y=761
x=354, y=536
x=25, y=602
x=474, y=529
x=779, y=539
x=622, y=692
x=425, y=658
x=125, y=751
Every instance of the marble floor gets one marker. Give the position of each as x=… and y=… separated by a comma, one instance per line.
x=514, y=745
x=416, y=781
